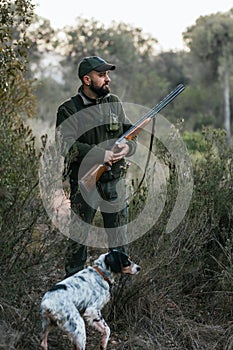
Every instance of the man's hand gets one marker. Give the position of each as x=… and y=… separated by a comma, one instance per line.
x=111, y=157
x=123, y=151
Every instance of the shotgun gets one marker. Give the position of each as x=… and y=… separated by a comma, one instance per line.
x=88, y=181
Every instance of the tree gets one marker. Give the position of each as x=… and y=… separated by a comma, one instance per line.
x=18, y=157
x=128, y=47
x=210, y=40
x=43, y=40
x=171, y=66
x=15, y=91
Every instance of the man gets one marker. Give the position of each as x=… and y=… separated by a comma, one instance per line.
x=89, y=123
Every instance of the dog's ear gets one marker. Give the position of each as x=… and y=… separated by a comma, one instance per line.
x=113, y=261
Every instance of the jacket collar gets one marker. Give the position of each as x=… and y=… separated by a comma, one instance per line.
x=87, y=101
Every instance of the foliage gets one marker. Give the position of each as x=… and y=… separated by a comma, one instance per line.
x=48, y=93
x=210, y=39
x=20, y=206
x=143, y=74
x=15, y=91
x=16, y=98
x=123, y=44
x=184, y=293
x=182, y=299
x=89, y=36
x=172, y=66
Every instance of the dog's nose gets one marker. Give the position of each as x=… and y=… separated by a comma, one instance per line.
x=138, y=268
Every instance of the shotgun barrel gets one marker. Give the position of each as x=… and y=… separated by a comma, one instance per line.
x=88, y=181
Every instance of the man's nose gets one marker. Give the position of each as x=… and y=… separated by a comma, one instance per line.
x=107, y=79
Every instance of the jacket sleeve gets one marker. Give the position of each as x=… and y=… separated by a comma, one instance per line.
x=66, y=133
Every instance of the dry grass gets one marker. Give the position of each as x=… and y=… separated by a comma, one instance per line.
x=182, y=298
x=148, y=311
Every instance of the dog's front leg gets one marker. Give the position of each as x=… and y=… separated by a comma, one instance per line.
x=95, y=319
x=102, y=327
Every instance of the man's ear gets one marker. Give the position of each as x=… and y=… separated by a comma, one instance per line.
x=112, y=261
x=86, y=80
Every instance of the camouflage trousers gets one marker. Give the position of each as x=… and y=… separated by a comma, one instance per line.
x=114, y=221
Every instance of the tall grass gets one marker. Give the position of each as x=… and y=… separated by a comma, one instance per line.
x=182, y=298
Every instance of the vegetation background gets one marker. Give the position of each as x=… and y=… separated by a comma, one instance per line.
x=183, y=297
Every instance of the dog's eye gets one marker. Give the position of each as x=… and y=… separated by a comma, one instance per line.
x=126, y=263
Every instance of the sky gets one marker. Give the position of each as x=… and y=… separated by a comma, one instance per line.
x=165, y=20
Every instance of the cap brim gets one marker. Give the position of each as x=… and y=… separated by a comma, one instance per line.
x=104, y=67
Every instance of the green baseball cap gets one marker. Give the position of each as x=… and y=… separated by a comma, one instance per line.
x=93, y=63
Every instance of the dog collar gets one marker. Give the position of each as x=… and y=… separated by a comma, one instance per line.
x=102, y=274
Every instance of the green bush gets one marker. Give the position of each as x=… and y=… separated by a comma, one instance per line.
x=183, y=298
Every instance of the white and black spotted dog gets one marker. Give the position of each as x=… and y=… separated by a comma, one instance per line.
x=81, y=297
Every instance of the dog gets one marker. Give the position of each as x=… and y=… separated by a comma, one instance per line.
x=81, y=297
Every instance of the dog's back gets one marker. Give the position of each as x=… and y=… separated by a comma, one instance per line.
x=85, y=289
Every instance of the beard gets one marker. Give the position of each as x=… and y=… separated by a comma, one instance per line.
x=100, y=91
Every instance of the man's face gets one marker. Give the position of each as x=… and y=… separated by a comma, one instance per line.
x=99, y=83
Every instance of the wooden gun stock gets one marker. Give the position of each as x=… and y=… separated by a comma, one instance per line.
x=88, y=181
